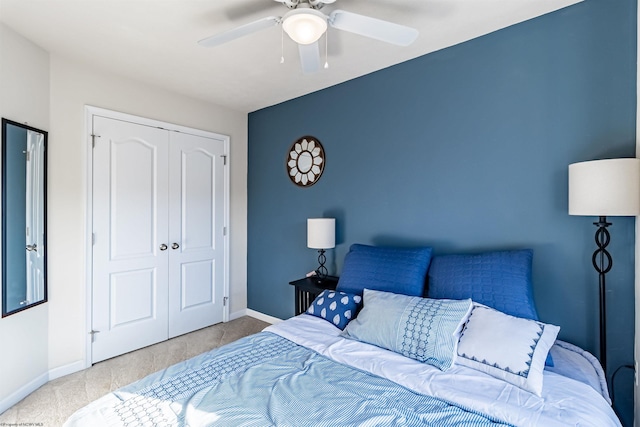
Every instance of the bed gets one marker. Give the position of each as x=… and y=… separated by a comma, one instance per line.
x=376, y=352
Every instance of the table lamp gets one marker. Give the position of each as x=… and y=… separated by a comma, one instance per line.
x=321, y=235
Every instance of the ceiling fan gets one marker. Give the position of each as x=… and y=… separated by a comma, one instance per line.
x=305, y=24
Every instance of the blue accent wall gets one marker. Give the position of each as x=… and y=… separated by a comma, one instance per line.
x=465, y=149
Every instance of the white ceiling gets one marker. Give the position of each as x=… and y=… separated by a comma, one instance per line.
x=154, y=41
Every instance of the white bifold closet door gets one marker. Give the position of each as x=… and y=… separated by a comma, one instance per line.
x=158, y=218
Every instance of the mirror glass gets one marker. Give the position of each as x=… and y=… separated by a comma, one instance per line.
x=304, y=162
x=24, y=183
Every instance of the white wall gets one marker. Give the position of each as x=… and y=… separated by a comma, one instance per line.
x=50, y=92
x=72, y=87
x=24, y=97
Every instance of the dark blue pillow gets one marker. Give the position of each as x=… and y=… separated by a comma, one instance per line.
x=501, y=280
x=336, y=307
x=381, y=268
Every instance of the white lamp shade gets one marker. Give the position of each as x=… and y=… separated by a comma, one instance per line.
x=605, y=187
x=321, y=233
x=304, y=26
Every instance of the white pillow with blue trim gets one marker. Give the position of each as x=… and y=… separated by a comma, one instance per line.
x=335, y=307
x=510, y=348
x=423, y=329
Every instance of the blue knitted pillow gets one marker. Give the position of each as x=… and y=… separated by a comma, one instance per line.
x=335, y=307
x=389, y=269
x=501, y=280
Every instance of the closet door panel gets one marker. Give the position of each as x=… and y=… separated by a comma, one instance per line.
x=130, y=220
x=131, y=297
x=133, y=199
x=196, y=231
x=192, y=274
x=197, y=199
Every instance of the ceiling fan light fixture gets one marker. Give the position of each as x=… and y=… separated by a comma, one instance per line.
x=305, y=26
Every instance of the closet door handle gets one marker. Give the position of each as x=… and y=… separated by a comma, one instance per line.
x=163, y=247
x=175, y=246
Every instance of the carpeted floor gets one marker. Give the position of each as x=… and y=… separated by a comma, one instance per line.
x=54, y=402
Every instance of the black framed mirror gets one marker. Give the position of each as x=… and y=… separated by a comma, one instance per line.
x=24, y=213
x=305, y=162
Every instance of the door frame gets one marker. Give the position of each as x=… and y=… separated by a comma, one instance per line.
x=90, y=112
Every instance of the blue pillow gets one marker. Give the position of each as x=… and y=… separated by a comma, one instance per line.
x=335, y=307
x=397, y=270
x=501, y=280
x=423, y=329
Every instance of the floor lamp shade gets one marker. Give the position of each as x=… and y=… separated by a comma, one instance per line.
x=321, y=233
x=605, y=187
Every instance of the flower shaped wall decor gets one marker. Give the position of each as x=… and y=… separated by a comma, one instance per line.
x=305, y=162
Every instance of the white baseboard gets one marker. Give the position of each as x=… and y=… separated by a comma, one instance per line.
x=263, y=317
x=23, y=392
x=255, y=315
x=38, y=382
x=237, y=314
x=66, y=370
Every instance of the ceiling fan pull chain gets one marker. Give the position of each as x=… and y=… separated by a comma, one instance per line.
x=326, y=49
x=282, y=45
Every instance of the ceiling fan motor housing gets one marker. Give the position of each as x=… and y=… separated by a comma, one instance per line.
x=291, y=4
x=314, y=4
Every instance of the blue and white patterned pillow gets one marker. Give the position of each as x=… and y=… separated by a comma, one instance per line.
x=335, y=307
x=510, y=348
x=423, y=329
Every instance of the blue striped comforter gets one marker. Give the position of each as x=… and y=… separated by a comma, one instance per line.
x=266, y=380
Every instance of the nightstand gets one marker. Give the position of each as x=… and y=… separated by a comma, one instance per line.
x=309, y=288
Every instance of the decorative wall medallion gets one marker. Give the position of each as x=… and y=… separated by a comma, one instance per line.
x=305, y=162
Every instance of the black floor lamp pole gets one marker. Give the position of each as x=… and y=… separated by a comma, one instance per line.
x=602, y=262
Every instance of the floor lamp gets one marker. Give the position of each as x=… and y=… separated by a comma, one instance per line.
x=604, y=188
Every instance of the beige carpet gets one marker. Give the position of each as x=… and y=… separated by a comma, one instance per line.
x=54, y=402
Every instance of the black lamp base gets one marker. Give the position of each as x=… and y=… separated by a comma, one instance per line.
x=322, y=271
x=602, y=262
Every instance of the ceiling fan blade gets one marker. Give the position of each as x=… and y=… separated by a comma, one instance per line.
x=373, y=28
x=240, y=31
x=309, y=57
